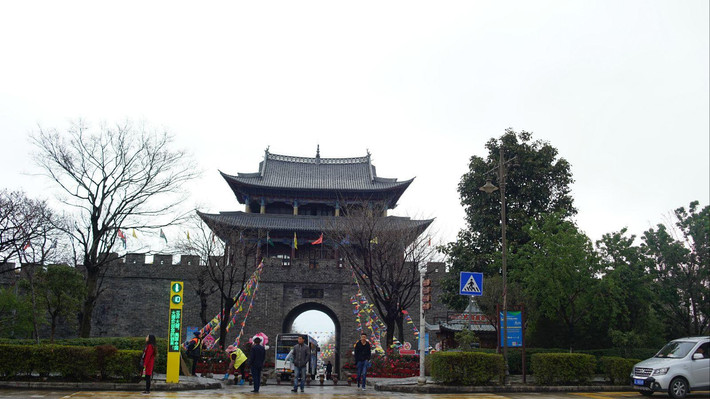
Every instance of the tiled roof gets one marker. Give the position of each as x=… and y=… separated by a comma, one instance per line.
x=339, y=174
x=289, y=223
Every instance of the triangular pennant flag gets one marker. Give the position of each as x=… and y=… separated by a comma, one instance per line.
x=162, y=235
x=122, y=237
x=319, y=240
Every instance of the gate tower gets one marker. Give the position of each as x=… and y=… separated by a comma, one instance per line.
x=289, y=203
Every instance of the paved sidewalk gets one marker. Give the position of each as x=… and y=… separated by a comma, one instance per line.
x=157, y=384
x=400, y=385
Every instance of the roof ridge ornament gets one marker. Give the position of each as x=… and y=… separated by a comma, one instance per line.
x=318, y=154
x=266, y=156
x=369, y=167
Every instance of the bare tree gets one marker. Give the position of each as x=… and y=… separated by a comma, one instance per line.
x=201, y=242
x=30, y=236
x=117, y=177
x=28, y=230
x=386, y=254
x=231, y=270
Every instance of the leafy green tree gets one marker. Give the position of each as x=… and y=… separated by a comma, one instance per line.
x=557, y=268
x=624, y=310
x=681, y=270
x=490, y=301
x=15, y=314
x=537, y=185
x=467, y=339
x=62, y=291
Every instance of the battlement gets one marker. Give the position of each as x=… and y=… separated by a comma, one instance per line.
x=142, y=259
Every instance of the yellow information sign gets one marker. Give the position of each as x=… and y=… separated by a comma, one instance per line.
x=174, y=334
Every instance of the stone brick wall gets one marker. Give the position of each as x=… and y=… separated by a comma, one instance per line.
x=135, y=300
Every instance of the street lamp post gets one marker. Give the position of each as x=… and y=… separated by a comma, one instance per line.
x=489, y=188
x=422, y=326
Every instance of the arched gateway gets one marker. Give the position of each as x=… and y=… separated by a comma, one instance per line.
x=291, y=210
x=304, y=307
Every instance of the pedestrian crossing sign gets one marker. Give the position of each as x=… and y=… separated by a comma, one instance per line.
x=471, y=283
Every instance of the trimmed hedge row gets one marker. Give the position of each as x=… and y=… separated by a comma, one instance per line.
x=69, y=362
x=617, y=369
x=515, y=356
x=120, y=343
x=467, y=368
x=562, y=368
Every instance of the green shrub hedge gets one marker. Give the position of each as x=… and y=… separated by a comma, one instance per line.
x=120, y=343
x=467, y=368
x=562, y=368
x=68, y=362
x=617, y=369
x=515, y=356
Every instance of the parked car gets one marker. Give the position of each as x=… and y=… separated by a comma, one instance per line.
x=682, y=366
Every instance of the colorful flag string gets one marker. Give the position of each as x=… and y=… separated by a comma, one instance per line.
x=249, y=291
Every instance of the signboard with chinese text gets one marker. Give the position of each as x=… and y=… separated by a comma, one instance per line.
x=174, y=332
x=514, y=329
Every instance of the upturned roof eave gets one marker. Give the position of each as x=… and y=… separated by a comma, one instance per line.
x=242, y=186
x=304, y=223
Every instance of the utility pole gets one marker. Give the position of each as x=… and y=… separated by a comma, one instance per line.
x=422, y=326
x=489, y=188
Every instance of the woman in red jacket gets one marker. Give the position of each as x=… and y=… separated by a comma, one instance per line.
x=147, y=361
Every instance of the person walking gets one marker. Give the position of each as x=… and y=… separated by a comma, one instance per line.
x=314, y=360
x=362, y=359
x=329, y=371
x=194, y=349
x=257, y=355
x=148, y=360
x=301, y=356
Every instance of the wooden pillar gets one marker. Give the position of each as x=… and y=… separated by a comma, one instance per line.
x=295, y=207
x=263, y=206
x=337, y=209
x=247, y=208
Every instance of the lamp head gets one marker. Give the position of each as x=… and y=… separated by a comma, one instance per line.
x=488, y=187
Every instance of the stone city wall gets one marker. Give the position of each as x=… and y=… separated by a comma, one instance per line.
x=135, y=296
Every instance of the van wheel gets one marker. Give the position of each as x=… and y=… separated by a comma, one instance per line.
x=678, y=388
x=646, y=393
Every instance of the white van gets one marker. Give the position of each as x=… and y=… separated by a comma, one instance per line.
x=683, y=365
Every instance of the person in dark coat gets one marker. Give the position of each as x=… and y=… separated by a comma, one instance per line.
x=256, y=361
x=148, y=360
x=194, y=349
x=329, y=371
x=362, y=359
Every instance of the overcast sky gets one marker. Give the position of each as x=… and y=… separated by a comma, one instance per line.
x=619, y=87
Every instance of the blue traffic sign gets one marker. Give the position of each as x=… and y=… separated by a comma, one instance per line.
x=471, y=283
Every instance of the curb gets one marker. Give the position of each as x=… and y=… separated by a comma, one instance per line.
x=436, y=388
